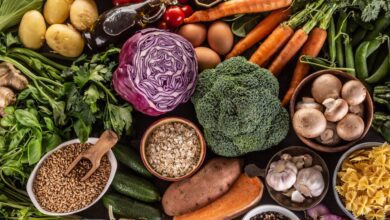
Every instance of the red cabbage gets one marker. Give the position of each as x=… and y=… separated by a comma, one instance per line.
x=157, y=71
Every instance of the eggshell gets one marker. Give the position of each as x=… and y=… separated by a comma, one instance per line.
x=194, y=33
x=207, y=58
x=220, y=37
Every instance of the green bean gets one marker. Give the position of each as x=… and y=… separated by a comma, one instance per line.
x=380, y=25
x=358, y=37
x=380, y=73
x=341, y=29
x=349, y=59
x=360, y=60
x=374, y=45
x=331, y=40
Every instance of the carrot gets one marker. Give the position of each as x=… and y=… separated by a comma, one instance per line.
x=234, y=7
x=312, y=48
x=261, y=30
x=295, y=43
x=279, y=37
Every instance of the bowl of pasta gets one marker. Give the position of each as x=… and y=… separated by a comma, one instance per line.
x=361, y=181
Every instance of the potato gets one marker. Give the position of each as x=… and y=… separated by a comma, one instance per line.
x=57, y=11
x=32, y=30
x=83, y=14
x=65, y=40
x=210, y=183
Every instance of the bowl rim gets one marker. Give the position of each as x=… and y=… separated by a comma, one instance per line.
x=29, y=187
x=269, y=207
x=325, y=170
x=368, y=104
x=158, y=123
x=337, y=168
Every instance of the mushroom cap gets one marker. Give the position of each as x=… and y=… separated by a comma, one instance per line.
x=329, y=136
x=326, y=86
x=354, y=92
x=350, y=128
x=308, y=102
x=357, y=109
x=309, y=123
x=335, y=109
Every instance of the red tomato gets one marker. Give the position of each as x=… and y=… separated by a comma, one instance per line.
x=174, y=16
x=124, y=2
x=182, y=2
x=187, y=10
x=163, y=25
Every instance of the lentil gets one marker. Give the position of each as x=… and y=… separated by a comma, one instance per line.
x=173, y=149
x=269, y=216
x=58, y=193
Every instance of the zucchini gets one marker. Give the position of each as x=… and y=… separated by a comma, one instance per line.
x=130, y=208
x=130, y=158
x=135, y=187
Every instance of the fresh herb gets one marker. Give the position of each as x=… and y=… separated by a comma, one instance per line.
x=242, y=25
x=370, y=9
x=12, y=11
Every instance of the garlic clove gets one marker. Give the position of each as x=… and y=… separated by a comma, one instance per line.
x=297, y=197
x=286, y=157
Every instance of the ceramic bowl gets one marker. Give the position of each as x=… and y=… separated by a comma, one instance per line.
x=309, y=202
x=270, y=208
x=160, y=122
x=304, y=89
x=111, y=158
x=338, y=166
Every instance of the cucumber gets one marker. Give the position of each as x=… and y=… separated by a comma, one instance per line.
x=130, y=208
x=130, y=158
x=135, y=187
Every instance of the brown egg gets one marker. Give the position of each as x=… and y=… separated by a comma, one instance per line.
x=220, y=37
x=194, y=33
x=207, y=58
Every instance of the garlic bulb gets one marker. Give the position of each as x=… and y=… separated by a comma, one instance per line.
x=281, y=175
x=310, y=182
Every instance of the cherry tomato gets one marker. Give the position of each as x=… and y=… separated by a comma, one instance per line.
x=124, y=2
x=174, y=16
x=182, y=2
x=187, y=10
x=163, y=25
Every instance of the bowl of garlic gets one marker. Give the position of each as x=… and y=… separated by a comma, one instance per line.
x=297, y=178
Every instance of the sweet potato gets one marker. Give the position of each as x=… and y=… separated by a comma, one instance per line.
x=210, y=183
x=244, y=194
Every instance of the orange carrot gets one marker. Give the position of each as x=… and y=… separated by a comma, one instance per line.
x=234, y=7
x=272, y=44
x=264, y=28
x=311, y=48
x=292, y=47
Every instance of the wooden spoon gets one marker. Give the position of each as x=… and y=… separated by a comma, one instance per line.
x=95, y=153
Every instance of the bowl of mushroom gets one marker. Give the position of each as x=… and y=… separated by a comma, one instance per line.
x=331, y=111
x=297, y=178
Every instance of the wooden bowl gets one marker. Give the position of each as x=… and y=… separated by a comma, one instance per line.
x=304, y=89
x=308, y=202
x=160, y=122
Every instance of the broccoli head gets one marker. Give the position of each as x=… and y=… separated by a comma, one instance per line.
x=237, y=104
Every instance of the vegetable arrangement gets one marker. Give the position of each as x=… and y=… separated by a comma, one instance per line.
x=174, y=52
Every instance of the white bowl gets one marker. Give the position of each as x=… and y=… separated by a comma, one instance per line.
x=111, y=158
x=338, y=166
x=270, y=208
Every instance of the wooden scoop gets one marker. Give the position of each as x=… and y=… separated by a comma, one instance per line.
x=95, y=153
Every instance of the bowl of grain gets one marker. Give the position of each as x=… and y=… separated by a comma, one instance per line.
x=173, y=148
x=54, y=193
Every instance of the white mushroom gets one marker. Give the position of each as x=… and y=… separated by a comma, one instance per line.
x=357, y=109
x=350, y=128
x=308, y=102
x=326, y=86
x=329, y=136
x=309, y=123
x=354, y=92
x=281, y=175
x=335, y=110
x=310, y=182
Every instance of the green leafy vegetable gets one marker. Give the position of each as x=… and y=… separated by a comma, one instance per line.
x=242, y=25
x=370, y=9
x=12, y=11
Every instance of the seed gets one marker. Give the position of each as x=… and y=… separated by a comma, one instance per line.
x=58, y=193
